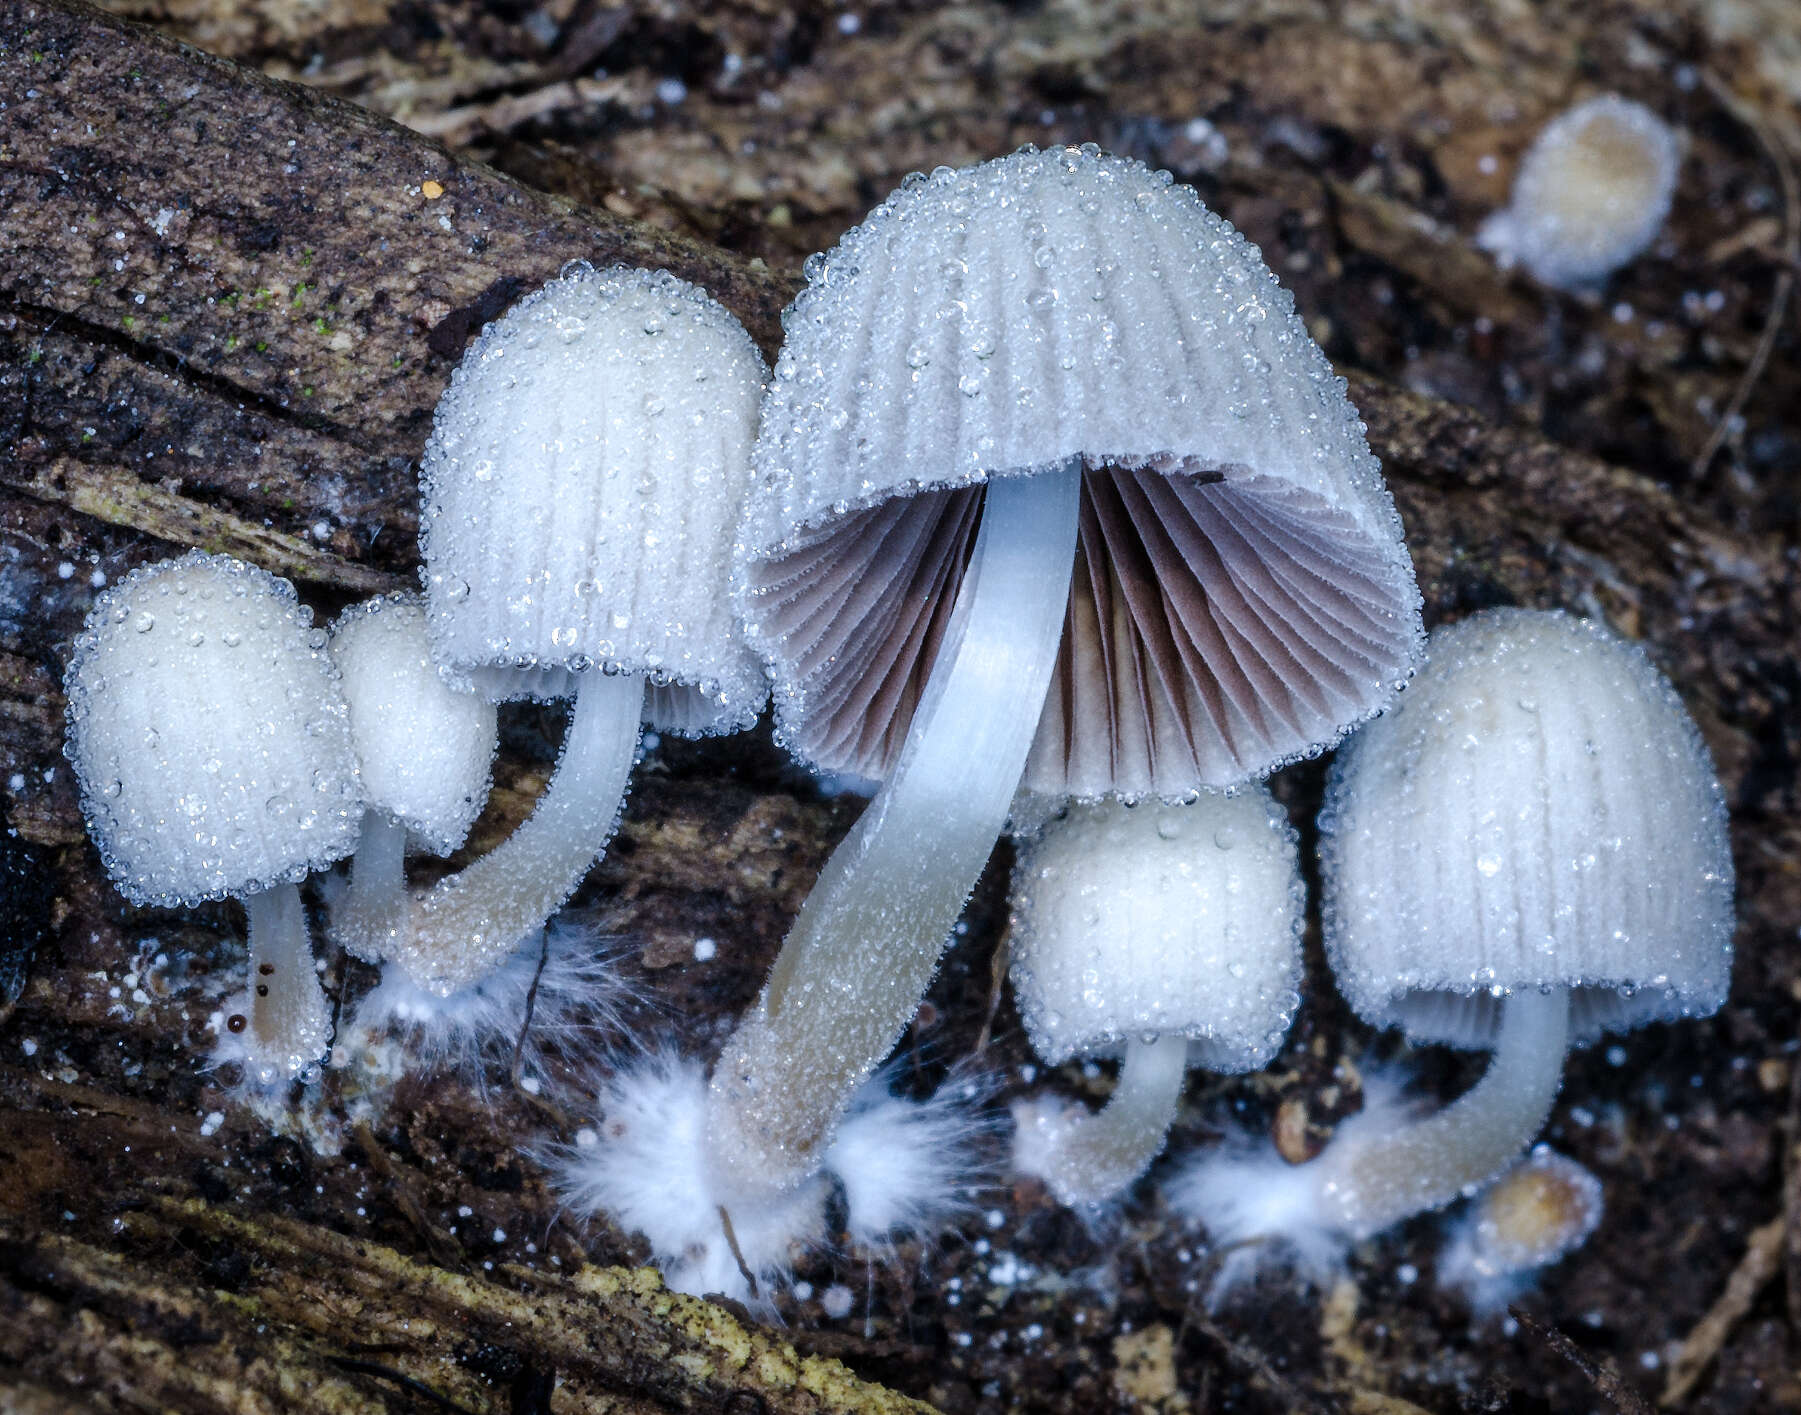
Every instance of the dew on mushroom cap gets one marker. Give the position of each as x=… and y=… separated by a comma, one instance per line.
x=1529, y=849
x=1591, y=193
x=424, y=752
x=1159, y=933
x=1049, y=400
x=582, y=489
x=1241, y=593
x=213, y=749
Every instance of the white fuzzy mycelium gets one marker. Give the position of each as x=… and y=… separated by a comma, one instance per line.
x=212, y=744
x=1591, y=194
x=1163, y=933
x=903, y=1167
x=424, y=750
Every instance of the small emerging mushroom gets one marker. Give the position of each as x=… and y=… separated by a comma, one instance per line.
x=1162, y=933
x=424, y=752
x=1528, y=850
x=1053, y=485
x=583, y=487
x=1591, y=194
x=1537, y=1213
x=213, y=750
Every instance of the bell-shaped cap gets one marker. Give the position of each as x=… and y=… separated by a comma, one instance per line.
x=209, y=735
x=425, y=750
x=1241, y=595
x=1131, y=922
x=1537, y=811
x=583, y=485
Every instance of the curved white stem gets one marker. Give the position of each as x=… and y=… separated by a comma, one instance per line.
x=463, y=926
x=1087, y=1156
x=290, y=1020
x=371, y=911
x=1373, y=1175
x=863, y=950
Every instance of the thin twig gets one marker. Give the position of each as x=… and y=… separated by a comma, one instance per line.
x=1784, y=284
x=1607, y=1381
x=1760, y=1264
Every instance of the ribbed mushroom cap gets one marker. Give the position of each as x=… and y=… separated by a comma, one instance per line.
x=1591, y=193
x=1241, y=591
x=1537, y=811
x=583, y=486
x=1137, y=921
x=424, y=750
x=209, y=735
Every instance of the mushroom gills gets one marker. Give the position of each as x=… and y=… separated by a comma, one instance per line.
x=1217, y=620
x=870, y=933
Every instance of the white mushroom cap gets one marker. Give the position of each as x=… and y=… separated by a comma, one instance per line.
x=1537, y=811
x=209, y=735
x=1591, y=194
x=424, y=750
x=1241, y=594
x=1136, y=921
x=583, y=486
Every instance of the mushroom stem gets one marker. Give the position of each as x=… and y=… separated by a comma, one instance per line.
x=1372, y=1176
x=862, y=951
x=461, y=928
x=367, y=917
x=1092, y=1156
x=290, y=1020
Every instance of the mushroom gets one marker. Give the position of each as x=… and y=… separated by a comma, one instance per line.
x=1537, y=1213
x=1591, y=194
x=1160, y=932
x=1526, y=851
x=1051, y=482
x=583, y=486
x=213, y=750
x=424, y=752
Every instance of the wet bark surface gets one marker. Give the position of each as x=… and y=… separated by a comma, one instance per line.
x=229, y=298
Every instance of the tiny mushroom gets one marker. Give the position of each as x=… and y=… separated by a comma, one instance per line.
x=424, y=751
x=583, y=486
x=1052, y=485
x=1539, y=1212
x=1161, y=931
x=213, y=750
x=1526, y=851
x=1590, y=196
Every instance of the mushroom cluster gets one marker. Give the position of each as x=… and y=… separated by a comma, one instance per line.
x=1054, y=521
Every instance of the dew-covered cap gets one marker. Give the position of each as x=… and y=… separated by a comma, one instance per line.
x=1134, y=921
x=1537, y=811
x=424, y=750
x=209, y=735
x=583, y=486
x=1241, y=592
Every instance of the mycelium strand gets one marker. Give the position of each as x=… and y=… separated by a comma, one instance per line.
x=1372, y=1175
x=860, y=955
x=366, y=919
x=466, y=923
x=1091, y=1157
x=290, y=1020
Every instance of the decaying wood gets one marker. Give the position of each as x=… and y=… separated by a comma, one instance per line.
x=194, y=1308
x=227, y=307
